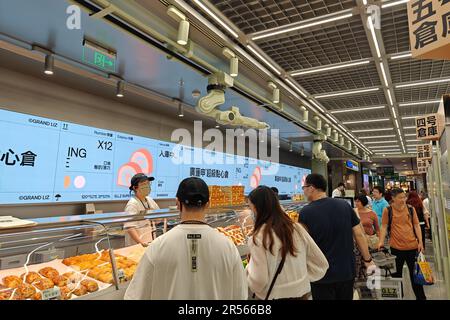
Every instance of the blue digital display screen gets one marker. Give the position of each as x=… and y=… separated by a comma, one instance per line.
x=49, y=161
x=352, y=165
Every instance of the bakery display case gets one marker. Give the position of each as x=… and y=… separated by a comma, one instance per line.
x=89, y=256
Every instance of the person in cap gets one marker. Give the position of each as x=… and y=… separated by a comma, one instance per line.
x=192, y=261
x=140, y=232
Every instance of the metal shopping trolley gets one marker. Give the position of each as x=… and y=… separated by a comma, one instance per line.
x=379, y=284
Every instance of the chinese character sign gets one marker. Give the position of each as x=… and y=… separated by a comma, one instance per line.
x=423, y=164
x=429, y=28
x=424, y=152
x=429, y=127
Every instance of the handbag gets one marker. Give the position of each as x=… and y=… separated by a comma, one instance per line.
x=423, y=274
x=272, y=284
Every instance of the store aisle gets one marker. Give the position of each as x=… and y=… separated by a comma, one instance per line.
x=434, y=292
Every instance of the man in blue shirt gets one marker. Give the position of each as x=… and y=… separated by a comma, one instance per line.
x=379, y=203
x=333, y=225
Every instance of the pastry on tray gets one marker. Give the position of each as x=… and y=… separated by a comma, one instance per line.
x=78, y=290
x=5, y=293
x=66, y=293
x=60, y=281
x=30, y=277
x=44, y=284
x=90, y=285
x=49, y=272
x=26, y=290
x=234, y=233
x=12, y=281
x=73, y=277
x=37, y=296
x=106, y=277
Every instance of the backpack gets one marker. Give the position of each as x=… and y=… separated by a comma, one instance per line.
x=411, y=214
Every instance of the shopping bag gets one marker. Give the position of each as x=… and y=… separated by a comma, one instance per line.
x=422, y=272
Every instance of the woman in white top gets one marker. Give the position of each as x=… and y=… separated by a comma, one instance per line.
x=276, y=236
x=140, y=232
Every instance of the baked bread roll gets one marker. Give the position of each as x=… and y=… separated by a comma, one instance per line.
x=37, y=296
x=66, y=293
x=106, y=277
x=90, y=285
x=60, y=281
x=44, y=284
x=5, y=293
x=79, y=290
x=26, y=290
x=73, y=277
x=12, y=281
x=49, y=272
x=30, y=277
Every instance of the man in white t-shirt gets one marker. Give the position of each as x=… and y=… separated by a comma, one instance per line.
x=192, y=261
x=140, y=232
x=339, y=191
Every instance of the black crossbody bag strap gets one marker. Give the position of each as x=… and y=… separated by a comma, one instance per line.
x=280, y=267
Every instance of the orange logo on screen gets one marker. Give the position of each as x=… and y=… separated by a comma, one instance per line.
x=256, y=178
x=141, y=161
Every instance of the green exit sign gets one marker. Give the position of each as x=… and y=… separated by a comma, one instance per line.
x=99, y=57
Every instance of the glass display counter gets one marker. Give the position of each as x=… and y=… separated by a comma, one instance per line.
x=88, y=256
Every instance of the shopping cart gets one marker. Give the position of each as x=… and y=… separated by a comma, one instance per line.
x=380, y=285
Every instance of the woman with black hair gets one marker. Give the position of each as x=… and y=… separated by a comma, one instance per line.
x=284, y=258
x=369, y=221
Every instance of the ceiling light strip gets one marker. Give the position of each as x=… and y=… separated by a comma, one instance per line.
x=372, y=130
x=418, y=103
x=374, y=36
x=365, y=121
x=295, y=87
x=216, y=18
x=393, y=3
x=346, y=93
x=406, y=85
x=381, y=142
x=384, y=76
x=346, y=65
x=303, y=26
x=270, y=65
x=401, y=56
x=377, y=137
x=357, y=109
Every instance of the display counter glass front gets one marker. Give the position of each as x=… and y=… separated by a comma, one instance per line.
x=92, y=257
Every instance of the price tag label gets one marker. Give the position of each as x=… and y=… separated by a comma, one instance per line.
x=51, y=294
x=121, y=275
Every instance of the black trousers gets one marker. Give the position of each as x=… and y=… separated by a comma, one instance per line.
x=408, y=256
x=332, y=291
x=422, y=228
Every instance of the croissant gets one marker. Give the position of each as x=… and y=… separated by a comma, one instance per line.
x=60, y=281
x=5, y=293
x=49, y=272
x=26, y=290
x=80, y=290
x=30, y=277
x=44, y=284
x=12, y=281
x=66, y=293
x=90, y=285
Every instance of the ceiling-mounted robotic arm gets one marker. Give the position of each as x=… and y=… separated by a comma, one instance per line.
x=207, y=105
